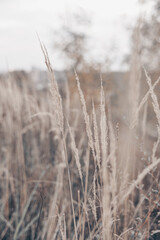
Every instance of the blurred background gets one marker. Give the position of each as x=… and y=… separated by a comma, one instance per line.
x=92, y=37
x=102, y=28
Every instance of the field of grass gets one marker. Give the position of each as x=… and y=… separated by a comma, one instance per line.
x=77, y=172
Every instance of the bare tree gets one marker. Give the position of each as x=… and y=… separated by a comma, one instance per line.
x=150, y=49
x=71, y=42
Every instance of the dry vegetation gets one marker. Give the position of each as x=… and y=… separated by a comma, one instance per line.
x=79, y=173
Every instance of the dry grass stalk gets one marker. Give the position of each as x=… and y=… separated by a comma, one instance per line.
x=86, y=116
x=96, y=138
x=76, y=155
x=57, y=102
x=106, y=207
x=139, y=179
x=143, y=101
x=154, y=97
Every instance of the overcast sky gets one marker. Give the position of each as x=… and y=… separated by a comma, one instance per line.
x=20, y=20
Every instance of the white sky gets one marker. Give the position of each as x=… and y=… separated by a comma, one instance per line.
x=20, y=20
